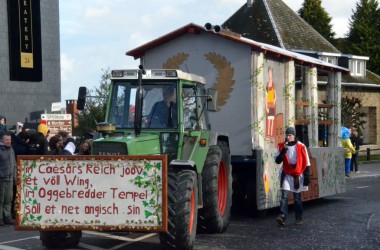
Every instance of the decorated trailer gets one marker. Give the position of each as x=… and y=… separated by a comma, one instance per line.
x=261, y=90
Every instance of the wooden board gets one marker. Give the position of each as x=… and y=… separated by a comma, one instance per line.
x=92, y=193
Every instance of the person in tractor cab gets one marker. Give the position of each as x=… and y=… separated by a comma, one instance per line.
x=164, y=113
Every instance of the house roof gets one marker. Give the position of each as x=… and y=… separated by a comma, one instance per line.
x=273, y=22
x=370, y=78
x=258, y=46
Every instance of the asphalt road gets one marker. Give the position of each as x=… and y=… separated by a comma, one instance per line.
x=346, y=221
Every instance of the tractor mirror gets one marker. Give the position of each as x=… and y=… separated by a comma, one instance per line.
x=212, y=97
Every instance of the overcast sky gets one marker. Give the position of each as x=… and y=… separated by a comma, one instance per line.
x=95, y=34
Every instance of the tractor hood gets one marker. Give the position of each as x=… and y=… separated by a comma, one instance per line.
x=144, y=144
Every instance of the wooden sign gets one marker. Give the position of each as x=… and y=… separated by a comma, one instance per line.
x=58, y=122
x=92, y=193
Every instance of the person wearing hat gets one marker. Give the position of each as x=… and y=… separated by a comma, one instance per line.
x=294, y=176
x=38, y=144
x=348, y=149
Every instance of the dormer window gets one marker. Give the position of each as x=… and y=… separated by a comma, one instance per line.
x=329, y=59
x=357, y=67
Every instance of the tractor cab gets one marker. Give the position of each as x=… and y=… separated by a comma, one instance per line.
x=152, y=112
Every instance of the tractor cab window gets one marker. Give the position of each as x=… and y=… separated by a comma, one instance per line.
x=159, y=105
x=189, y=108
x=123, y=106
x=194, y=104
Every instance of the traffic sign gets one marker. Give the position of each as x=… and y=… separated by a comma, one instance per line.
x=58, y=122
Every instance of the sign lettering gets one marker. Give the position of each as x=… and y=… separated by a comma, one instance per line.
x=92, y=192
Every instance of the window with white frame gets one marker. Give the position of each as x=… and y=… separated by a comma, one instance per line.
x=357, y=67
x=328, y=59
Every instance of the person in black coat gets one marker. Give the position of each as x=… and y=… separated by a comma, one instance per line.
x=20, y=143
x=38, y=144
x=356, y=142
x=20, y=147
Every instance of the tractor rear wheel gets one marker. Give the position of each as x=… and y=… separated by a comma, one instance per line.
x=217, y=190
x=182, y=210
x=60, y=239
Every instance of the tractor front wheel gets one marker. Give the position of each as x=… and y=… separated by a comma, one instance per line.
x=182, y=210
x=217, y=190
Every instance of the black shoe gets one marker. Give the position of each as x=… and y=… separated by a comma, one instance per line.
x=281, y=220
x=2, y=223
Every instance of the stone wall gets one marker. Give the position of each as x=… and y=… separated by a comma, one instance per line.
x=370, y=98
x=371, y=105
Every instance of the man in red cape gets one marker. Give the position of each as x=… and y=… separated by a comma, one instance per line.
x=294, y=175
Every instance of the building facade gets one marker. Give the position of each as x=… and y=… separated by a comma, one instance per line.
x=30, y=78
x=275, y=23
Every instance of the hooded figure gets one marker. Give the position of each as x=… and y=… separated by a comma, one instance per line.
x=345, y=133
x=38, y=144
x=348, y=149
x=43, y=129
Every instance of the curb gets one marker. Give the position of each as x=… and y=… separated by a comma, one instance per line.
x=369, y=162
x=364, y=175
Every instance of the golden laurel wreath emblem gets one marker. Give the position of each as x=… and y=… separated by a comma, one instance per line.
x=224, y=79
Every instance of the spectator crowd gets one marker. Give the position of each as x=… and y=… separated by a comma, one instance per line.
x=26, y=141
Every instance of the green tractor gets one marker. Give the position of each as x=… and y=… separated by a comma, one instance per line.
x=157, y=112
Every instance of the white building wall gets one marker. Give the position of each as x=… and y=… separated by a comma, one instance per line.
x=222, y=63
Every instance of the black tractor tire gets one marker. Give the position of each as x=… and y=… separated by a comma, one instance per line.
x=182, y=210
x=60, y=239
x=216, y=190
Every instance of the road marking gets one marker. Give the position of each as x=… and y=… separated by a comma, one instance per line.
x=121, y=245
x=134, y=240
x=363, y=187
x=91, y=247
x=374, y=222
x=117, y=237
x=6, y=242
x=9, y=248
x=87, y=246
x=369, y=221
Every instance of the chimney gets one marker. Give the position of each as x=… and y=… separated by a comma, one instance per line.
x=71, y=108
x=249, y=3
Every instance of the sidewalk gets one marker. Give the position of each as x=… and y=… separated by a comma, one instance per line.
x=367, y=169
